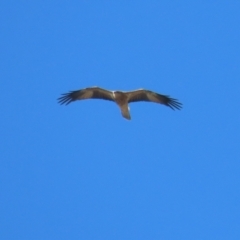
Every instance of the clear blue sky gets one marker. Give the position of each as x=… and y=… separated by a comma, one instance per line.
x=83, y=171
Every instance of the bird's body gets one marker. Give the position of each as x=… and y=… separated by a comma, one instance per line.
x=122, y=99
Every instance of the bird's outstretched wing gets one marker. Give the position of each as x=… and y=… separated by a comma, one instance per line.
x=87, y=93
x=149, y=96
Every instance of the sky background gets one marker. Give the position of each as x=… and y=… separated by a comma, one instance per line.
x=83, y=171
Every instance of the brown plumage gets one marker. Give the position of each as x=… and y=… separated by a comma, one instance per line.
x=120, y=98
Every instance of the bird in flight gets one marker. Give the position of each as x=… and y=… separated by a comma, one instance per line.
x=122, y=99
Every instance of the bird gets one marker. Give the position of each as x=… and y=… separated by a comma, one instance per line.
x=121, y=98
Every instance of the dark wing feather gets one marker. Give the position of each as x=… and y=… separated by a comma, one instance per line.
x=87, y=93
x=149, y=96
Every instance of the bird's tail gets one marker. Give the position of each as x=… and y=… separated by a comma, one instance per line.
x=125, y=111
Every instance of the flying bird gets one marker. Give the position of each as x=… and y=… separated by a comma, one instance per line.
x=122, y=99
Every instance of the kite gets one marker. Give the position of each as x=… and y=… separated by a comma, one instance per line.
x=122, y=99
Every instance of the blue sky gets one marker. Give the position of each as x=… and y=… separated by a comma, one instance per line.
x=83, y=171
